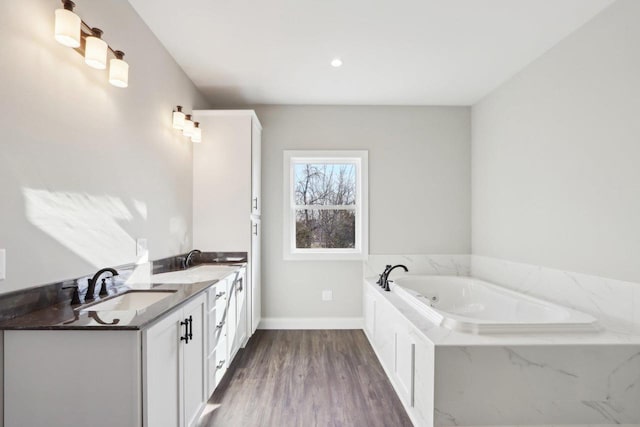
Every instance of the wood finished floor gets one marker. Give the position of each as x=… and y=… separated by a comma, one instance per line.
x=305, y=379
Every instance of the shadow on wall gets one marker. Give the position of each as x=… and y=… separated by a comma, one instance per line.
x=87, y=225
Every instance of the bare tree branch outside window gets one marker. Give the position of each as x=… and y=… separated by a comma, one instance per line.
x=325, y=198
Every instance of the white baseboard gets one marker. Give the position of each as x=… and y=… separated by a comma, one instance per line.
x=311, y=323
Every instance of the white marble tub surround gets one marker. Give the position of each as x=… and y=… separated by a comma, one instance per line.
x=510, y=379
x=446, y=265
x=535, y=379
x=615, y=303
x=532, y=385
x=472, y=305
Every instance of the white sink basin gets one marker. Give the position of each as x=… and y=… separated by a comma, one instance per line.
x=202, y=273
x=131, y=301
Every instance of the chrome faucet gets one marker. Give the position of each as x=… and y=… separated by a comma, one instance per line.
x=385, y=280
x=189, y=257
x=91, y=289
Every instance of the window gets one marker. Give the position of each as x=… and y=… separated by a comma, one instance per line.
x=325, y=212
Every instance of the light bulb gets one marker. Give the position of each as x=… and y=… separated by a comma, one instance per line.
x=178, y=118
x=68, y=26
x=196, y=136
x=119, y=70
x=95, y=51
x=188, y=126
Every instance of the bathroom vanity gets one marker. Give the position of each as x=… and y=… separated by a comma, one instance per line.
x=149, y=357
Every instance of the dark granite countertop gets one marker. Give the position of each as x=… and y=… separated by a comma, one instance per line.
x=63, y=316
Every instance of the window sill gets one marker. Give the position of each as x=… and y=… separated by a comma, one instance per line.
x=327, y=256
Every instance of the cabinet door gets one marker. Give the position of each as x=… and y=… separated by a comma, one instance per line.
x=384, y=333
x=256, y=168
x=163, y=374
x=241, y=311
x=256, y=294
x=369, y=310
x=223, y=157
x=194, y=360
x=424, y=378
x=232, y=320
x=404, y=364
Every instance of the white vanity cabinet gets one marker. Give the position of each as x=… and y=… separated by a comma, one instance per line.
x=227, y=320
x=73, y=378
x=105, y=378
x=174, y=367
x=227, y=201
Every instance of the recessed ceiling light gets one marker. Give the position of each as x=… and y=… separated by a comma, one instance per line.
x=336, y=62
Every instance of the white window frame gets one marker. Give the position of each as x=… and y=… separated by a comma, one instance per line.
x=361, y=160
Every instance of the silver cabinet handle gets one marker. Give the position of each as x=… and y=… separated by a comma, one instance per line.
x=220, y=325
x=220, y=364
x=255, y=229
x=255, y=203
x=220, y=295
x=240, y=281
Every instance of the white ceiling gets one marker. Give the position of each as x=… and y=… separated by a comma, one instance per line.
x=395, y=52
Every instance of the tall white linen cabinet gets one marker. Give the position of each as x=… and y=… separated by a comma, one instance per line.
x=226, y=192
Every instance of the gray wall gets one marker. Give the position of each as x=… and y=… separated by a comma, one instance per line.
x=419, y=194
x=556, y=154
x=86, y=168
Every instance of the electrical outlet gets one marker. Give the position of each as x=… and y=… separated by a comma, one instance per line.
x=141, y=247
x=327, y=295
x=3, y=264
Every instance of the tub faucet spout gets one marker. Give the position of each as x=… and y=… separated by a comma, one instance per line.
x=385, y=281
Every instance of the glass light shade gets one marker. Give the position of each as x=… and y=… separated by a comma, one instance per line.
x=178, y=119
x=196, y=136
x=118, y=72
x=67, y=28
x=95, y=53
x=188, y=126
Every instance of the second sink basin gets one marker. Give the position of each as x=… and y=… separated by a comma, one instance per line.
x=132, y=300
x=201, y=273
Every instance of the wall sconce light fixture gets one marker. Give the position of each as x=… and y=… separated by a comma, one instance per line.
x=187, y=130
x=178, y=118
x=68, y=26
x=196, y=136
x=119, y=70
x=95, y=50
x=184, y=122
x=71, y=31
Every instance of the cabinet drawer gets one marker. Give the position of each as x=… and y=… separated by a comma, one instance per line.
x=217, y=366
x=221, y=310
x=216, y=294
x=216, y=330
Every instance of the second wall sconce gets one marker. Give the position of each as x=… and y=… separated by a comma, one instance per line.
x=71, y=31
x=185, y=123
